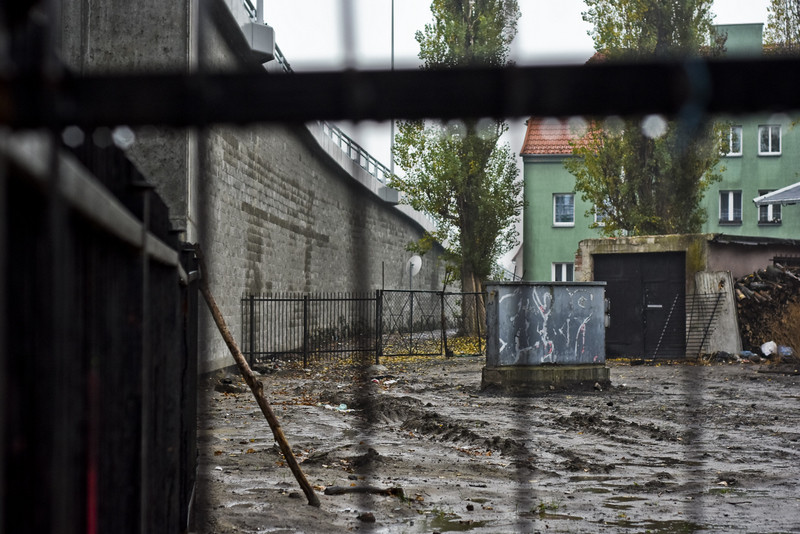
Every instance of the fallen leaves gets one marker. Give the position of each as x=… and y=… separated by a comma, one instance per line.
x=473, y=451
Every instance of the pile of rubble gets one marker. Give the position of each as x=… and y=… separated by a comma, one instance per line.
x=768, y=302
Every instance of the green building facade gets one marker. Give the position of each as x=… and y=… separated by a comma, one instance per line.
x=764, y=156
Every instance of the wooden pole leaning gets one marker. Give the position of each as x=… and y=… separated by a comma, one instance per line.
x=255, y=385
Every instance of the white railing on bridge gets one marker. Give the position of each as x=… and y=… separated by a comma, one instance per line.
x=374, y=167
x=353, y=150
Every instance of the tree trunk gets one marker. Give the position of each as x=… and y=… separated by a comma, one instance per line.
x=472, y=311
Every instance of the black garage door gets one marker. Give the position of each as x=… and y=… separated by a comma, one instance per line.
x=647, y=294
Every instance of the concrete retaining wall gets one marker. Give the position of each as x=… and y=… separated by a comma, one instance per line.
x=281, y=218
x=274, y=207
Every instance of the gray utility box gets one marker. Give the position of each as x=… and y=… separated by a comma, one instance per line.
x=543, y=336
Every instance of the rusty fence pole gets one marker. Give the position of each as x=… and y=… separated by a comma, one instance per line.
x=252, y=347
x=444, y=323
x=478, y=322
x=378, y=325
x=305, y=331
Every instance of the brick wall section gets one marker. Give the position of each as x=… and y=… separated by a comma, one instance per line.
x=271, y=208
x=279, y=217
x=280, y=214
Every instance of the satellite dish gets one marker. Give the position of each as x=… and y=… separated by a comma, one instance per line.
x=414, y=264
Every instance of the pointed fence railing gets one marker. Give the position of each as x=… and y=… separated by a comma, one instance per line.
x=324, y=326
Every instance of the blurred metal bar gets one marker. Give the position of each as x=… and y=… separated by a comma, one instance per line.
x=4, y=354
x=88, y=198
x=244, y=98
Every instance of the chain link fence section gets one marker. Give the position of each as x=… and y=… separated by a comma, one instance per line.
x=432, y=323
x=412, y=323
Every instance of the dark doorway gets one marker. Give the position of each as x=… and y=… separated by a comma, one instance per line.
x=647, y=294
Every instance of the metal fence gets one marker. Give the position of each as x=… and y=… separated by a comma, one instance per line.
x=99, y=368
x=701, y=313
x=422, y=322
x=312, y=327
x=97, y=424
x=296, y=326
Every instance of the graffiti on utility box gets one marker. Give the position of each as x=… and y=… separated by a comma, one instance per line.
x=545, y=323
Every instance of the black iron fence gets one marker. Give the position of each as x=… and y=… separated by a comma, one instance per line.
x=294, y=326
x=98, y=364
x=309, y=327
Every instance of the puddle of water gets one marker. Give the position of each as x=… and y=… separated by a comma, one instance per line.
x=594, y=490
x=620, y=502
x=442, y=522
x=591, y=478
x=737, y=492
x=612, y=506
x=657, y=527
x=554, y=517
x=623, y=498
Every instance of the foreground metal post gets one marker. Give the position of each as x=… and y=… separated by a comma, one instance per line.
x=255, y=385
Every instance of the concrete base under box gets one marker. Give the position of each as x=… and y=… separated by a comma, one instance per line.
x=535, y=379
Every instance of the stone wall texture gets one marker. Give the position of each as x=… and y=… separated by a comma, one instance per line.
x=272, y=208
x=279, y=217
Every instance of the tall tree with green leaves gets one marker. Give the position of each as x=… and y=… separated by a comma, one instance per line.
x=648, y=175
x=457, y=172
x=783, y=25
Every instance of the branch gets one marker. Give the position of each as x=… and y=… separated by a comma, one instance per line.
x=255, y=385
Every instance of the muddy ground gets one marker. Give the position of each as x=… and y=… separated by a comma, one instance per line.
x=668, y=448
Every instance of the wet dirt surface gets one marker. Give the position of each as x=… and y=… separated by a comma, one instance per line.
x=669, y=448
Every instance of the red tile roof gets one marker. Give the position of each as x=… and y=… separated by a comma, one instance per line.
x=548, y=137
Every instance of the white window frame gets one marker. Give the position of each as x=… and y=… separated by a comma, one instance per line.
x=770, y=149
x=596, y=216
x=598, y=220
x=738, y=129
x=563, y=223
x=564, y=270
x=730, y=199
x=772, y=212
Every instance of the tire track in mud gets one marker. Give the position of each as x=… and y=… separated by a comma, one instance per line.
x=615, y=428
x=412, y=415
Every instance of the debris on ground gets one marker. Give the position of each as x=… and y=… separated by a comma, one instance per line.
x=342, y=490
x=768, y=303
x=230, y=385
x=679, y=448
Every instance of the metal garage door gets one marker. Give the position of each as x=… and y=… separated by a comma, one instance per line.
x=647, y=294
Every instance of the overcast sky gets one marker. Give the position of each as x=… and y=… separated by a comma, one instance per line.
x=314, y=35
x=549, y=30
x=318, y=35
